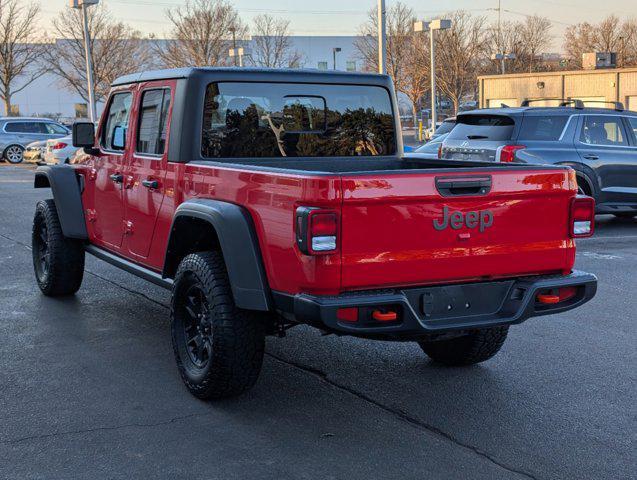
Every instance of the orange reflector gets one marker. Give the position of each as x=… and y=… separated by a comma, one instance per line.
x=384, y=316
x=548, y=299
x=347, y=314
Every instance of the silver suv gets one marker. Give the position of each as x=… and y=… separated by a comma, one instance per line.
x=17, y=132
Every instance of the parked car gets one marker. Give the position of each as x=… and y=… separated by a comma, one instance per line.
x=260, y=211
x=430, y=149
x=598, y=143
x=35, y=151
x=18, y=132
x=59, y=150
x=444, y=127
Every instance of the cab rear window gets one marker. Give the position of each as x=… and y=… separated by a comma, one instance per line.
x=261, y=120
x=483, y=127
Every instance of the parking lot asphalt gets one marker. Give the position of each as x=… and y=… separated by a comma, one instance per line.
x=89, y=388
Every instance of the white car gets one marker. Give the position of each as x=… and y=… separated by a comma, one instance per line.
x=59, y=150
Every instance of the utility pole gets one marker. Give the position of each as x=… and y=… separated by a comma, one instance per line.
x=500, y=35
x=382, y=41
x=90, y=87
x=234, y=43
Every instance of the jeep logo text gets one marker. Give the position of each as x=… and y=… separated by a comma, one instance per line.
x=482, y=219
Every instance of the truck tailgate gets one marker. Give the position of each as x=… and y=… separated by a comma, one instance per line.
x=421, y=228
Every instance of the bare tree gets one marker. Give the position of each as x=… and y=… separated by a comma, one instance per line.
x=535, y=39
x=610, y=35
x=116, y=50
x=19, y=48
x=407, y=53
x=201, y=34
x=461, y=51
x=271, y=44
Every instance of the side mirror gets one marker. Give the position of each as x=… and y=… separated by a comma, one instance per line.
x=118, y=140
x=83, y=134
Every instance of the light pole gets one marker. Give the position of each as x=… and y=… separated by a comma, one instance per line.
x=502, y=57
x=438, y=24
x=382, y=41
x=83, y=5
x=334, y=52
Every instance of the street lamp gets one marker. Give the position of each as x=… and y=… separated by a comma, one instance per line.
x=438, y=24
x=502, y=57
x=240, y=53
x=83, y=5
x=334, y=52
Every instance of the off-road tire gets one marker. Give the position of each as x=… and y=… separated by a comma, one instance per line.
x=58, y=261
x=470, y=349
x=235, y=342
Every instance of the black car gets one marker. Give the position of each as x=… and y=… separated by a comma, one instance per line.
x=599, y=143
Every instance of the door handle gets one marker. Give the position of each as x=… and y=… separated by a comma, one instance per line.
x=590, y=156
x=117, y=177
x=152, y=184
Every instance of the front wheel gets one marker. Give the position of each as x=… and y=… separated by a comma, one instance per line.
x=14, y=154
x=218, y=347
x=469, y=349
x=58, y=261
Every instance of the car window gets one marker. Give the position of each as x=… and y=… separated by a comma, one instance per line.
x=445, y=127
x=482, y=127
x=295, y=120
x=548, y=128
x=603, y=130
x=24, y=127
x=151, y=133
x=117, y=116
x=55, y=129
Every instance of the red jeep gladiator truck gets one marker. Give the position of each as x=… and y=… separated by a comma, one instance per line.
x=264, y=199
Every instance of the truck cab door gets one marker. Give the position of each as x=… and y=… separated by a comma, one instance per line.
x=105, y=212
x=146, y=170
x=604, y=145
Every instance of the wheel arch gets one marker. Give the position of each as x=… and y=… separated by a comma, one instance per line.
x=200, y=225
x=587, y=174
x=67, y=195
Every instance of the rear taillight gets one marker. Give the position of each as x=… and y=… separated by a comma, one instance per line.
x=59, y=146
x=582, y=216
x=316, y=230
x=440, y=151
x=506, y=153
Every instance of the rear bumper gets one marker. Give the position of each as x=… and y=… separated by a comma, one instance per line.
x=438, y=309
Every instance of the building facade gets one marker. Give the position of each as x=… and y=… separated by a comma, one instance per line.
x=592, y=86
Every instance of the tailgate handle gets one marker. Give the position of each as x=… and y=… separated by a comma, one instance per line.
x=459, y=186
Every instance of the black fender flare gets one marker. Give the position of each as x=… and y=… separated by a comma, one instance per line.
x=67, y=195
x=239, y=246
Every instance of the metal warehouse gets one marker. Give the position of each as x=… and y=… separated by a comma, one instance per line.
x=587, y=85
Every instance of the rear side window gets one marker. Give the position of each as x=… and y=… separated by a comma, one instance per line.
x=483, y=128
x=25, y=127
x=116, y=125
x=603, y=130
x=633, y=125
x=260, y=120
x=151, y=132
x=542, y=128
x=445, y=127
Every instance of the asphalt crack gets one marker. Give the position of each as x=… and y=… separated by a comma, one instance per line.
x=322, y=376
x=102, y=429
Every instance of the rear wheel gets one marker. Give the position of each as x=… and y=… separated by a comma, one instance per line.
x=58, y=261
x=470, y=349
x=13, y=154
x=218, y=347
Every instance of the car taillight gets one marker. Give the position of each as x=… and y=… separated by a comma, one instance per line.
x=440, y=151
x=506, y=153
x=59, y=146
x=582, y=216
x=316, y=230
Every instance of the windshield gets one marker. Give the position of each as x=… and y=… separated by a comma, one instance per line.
x=296, y=120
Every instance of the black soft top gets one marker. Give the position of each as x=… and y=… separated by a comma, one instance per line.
x=258, y=74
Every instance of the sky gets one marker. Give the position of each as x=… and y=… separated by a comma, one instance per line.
x=343, y=17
